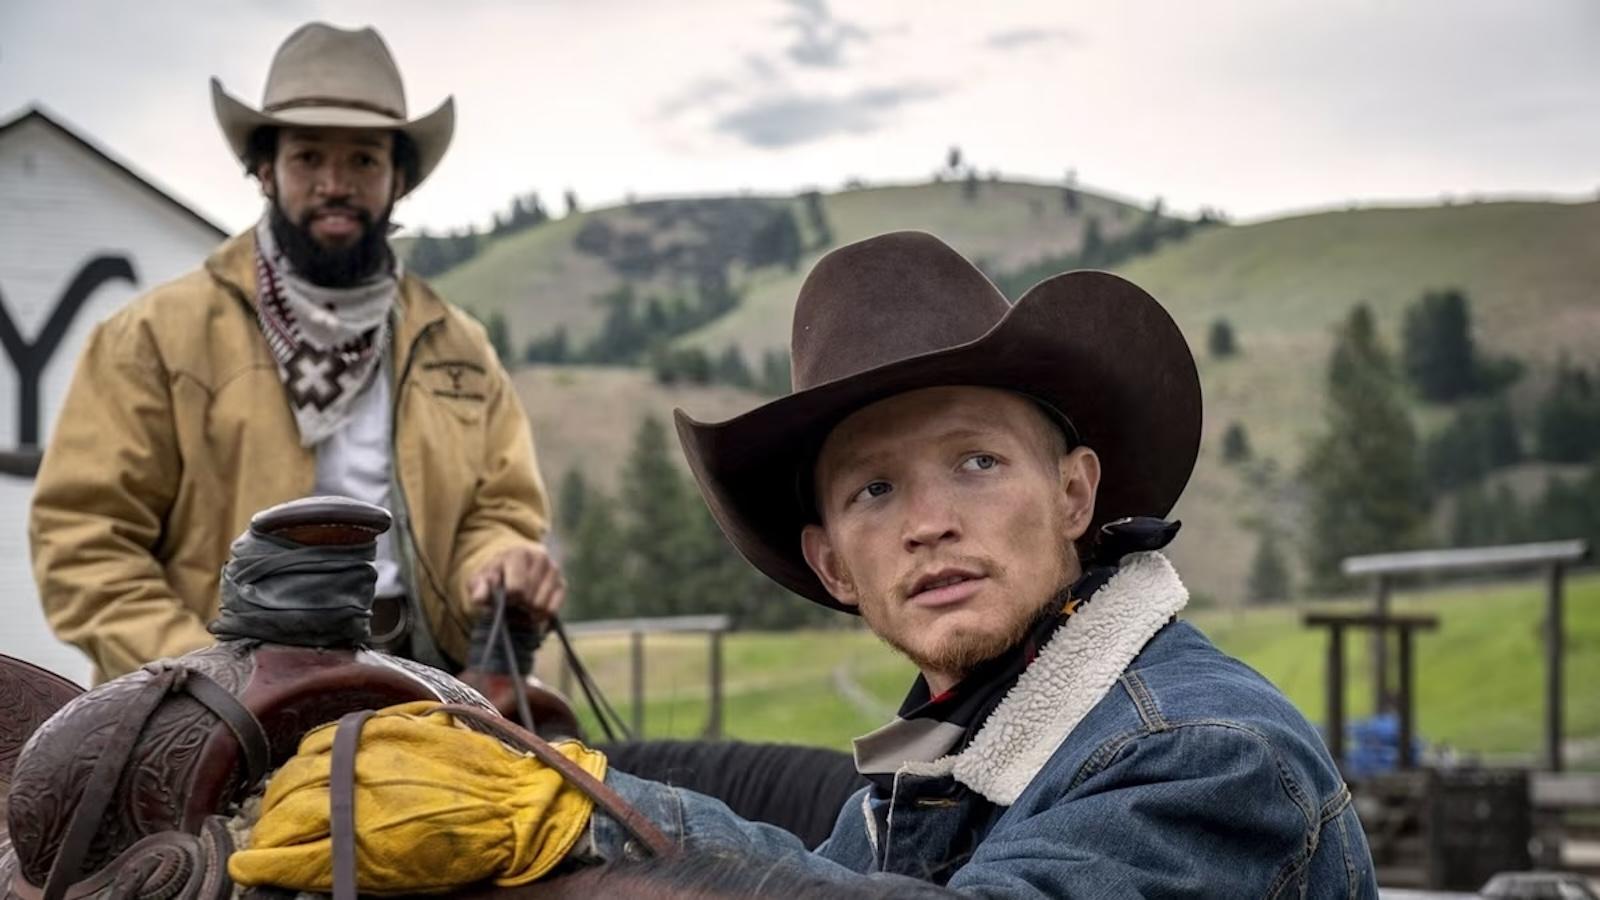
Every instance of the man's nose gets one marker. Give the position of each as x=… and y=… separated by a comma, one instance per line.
x=333, y=181
x=931, y=519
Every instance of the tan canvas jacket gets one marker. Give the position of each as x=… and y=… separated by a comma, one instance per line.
x=176, y=430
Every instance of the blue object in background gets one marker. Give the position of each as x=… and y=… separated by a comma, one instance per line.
x=1372, y=746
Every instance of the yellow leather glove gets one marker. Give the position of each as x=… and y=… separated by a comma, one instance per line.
x=437, y=806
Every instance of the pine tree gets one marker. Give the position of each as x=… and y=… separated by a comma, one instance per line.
x=571, y=500
x=775, y=374
x=657, y=528
x=1367, y=493
x=1235, y=443
x=1568, y=417
x=1221, y=340
x=1440, y=359
x=817, y=216
x=597, y=576
x=733, y=370
x=500, y=337
x=1269, y=572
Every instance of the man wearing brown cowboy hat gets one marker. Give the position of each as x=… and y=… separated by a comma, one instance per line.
x=300, y=359
x=981, y=483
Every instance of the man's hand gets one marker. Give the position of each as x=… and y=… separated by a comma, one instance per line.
x=533, y=581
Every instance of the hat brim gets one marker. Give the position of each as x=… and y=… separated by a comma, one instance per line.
x=431, y=133
x=1093, y=345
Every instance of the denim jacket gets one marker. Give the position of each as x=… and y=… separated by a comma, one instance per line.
x=1133, y=758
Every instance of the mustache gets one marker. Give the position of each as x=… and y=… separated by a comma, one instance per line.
x=337, y=206
x=986, y=567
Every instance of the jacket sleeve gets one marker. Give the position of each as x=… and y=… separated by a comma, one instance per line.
x=1194, y=811
x=100, y=503
x=510, y=506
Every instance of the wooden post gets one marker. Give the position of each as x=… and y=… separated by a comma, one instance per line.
x=1335, y=686
x=714, y=714
x=1406, y=709
x=1554, y=637
x=1380, y=651
x=636, y=671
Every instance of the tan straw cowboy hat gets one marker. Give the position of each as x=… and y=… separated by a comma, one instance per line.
x=324, y=76
x=904, y=311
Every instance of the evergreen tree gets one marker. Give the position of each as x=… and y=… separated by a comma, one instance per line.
x=597, y=576
x=777, y=242
x=1069, y=201
x=1367, y=493
x=969, y=186
x=1221, y=340
x=1094, y=245
x=1440, y=359
x=657, y=529
x=1235, y=444
x=571, y=500
x=552, y=348
x=817, y=216
x=621, y=337
x=775, y=374
x=733, y=370
x=1474, y=521
x=1480, y=438
x=500, y=337
x=1568, y=417
x=1269, y=572
x=572, y=202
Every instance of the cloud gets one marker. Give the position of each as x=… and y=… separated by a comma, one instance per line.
x=820, y=38
x=1024, y=37
x=785, y=120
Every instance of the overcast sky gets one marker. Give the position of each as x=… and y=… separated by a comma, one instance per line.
x=1254, y=106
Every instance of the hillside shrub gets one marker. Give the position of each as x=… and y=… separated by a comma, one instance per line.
x=1568, y=417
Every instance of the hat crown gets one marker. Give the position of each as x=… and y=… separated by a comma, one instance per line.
x=886, y=299
x=320, y=65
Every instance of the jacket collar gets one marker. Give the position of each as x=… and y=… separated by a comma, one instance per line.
x=1072, y=674
x=233, y=265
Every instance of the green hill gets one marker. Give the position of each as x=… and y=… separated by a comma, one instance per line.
x=1530, y=269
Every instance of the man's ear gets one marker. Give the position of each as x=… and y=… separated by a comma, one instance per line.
x=825, y=562
x=1080, y=483
x=269, y=187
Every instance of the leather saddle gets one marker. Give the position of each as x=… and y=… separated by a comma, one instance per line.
x=125, y=790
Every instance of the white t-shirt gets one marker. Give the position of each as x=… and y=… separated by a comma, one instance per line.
x=356, y=461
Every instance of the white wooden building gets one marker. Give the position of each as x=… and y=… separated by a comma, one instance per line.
x=80, y=235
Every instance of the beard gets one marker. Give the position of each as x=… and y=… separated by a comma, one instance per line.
x=333, y=267
x=956, y=658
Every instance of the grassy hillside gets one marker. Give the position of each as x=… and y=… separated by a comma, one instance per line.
x=1480, y=682
x=1532, y=271
x=585, y=416
x=539, y=278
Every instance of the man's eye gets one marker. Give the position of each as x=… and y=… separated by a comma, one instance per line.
x=874, y=489
x=979, y=461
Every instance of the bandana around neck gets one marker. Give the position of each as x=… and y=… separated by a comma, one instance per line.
x=327, y=342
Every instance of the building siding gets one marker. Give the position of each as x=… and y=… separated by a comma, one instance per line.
x=61, y=205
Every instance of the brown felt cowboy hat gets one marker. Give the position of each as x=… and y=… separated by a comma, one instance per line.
x=329, y=77
x=904, y=311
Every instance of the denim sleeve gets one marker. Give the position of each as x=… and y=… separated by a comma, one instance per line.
x=701, y=824
x=1193, y=811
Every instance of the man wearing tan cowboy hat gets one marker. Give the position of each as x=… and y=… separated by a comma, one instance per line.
x=300, y=359
x=982, y=483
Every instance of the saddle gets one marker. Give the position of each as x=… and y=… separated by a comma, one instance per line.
x=126, y=790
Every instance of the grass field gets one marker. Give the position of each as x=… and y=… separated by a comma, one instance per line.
x=1480, y=676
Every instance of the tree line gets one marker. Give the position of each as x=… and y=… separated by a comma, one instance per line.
x=1373, y=479
x=654, y=550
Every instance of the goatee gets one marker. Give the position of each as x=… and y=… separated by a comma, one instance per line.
x=334, y=267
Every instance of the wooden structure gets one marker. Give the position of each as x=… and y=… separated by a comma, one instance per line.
x=1383, y=624
x=1553, y=557
x=713, y=626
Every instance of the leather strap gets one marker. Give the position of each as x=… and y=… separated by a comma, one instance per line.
x=115, y=753
x=631, y=820
x=246, y=730
x=97, y=790
x=342, y=802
